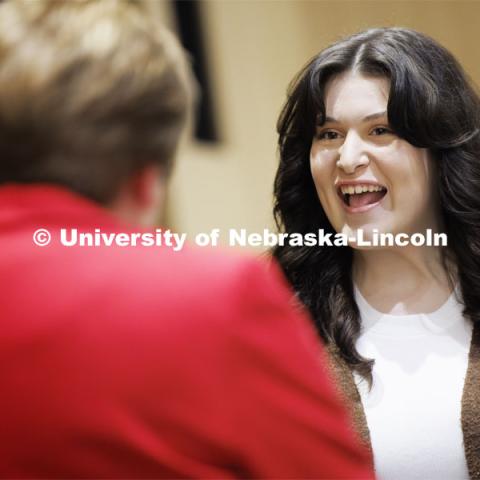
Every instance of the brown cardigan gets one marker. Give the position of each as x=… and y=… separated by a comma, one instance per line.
x=470, y=402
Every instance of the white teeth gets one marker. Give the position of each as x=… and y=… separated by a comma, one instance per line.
x=356, y=189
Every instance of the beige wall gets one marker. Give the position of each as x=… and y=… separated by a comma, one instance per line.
x=255, y=48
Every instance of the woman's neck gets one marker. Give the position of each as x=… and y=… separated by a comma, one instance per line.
x=402, y=281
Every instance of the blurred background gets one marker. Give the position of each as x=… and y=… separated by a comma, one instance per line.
x=245, y=54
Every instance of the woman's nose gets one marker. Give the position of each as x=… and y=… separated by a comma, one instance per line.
x=352, y=154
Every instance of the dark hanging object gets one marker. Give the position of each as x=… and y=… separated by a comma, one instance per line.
x=189, y=23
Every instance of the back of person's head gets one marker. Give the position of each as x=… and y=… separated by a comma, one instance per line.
x=91, y=92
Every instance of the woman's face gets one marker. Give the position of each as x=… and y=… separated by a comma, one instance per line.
x=366, y=177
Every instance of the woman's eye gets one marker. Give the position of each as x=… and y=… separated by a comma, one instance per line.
x=327, y=135
x=381, y=131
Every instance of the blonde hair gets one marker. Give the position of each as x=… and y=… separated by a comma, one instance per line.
x=90, y=92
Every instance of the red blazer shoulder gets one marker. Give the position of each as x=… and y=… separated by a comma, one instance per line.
x=148, y=363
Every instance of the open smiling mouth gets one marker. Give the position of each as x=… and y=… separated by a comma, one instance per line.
x=361, y=195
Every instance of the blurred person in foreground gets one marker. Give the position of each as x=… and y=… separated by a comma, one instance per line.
x=134, y=361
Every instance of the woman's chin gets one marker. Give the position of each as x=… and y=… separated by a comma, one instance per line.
x=366, y=237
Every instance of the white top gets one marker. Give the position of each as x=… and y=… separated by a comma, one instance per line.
x=413, y=410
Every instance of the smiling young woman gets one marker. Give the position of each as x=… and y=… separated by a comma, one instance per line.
x=380, y=133
x=365, y=175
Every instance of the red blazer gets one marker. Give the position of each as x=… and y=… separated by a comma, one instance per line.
x=142, y=362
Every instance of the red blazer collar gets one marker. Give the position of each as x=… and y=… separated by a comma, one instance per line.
x=47, y=201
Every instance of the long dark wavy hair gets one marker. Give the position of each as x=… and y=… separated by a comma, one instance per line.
x=431, y=105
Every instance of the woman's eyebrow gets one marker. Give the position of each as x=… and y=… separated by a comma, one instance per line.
x=372, y=116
